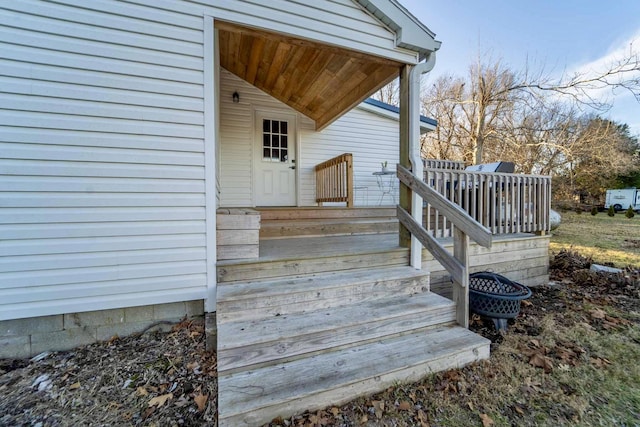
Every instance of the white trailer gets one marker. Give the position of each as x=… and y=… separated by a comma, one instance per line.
x=622, y=199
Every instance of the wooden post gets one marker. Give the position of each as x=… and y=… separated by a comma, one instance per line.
x=405, y=192
x=349, y=167
x=461, y=290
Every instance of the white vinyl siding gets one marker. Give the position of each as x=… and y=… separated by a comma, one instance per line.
x=337, y=22
x=102, y=168
x=237, y=136
x=371, y=138
x=102, y=200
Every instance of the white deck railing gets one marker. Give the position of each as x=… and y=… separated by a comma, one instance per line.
x=502, y=202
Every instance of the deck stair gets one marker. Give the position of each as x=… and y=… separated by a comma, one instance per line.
x=315, y=329
x=279, y=223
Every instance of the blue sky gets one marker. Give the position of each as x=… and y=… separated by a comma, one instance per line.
x=561, y=35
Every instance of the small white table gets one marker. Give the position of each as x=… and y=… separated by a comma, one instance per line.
x=387, y=184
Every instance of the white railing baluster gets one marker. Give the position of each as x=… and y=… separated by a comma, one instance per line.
x=504, y=203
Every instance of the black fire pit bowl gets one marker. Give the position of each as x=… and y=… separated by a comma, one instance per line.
x=496, y=297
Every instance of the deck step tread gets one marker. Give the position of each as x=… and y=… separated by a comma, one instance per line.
x=282, y=223
x=243, y=343
x=263, y=298
x=278, y=229
x=255, y=396
x=325, y=212
x=263, y=288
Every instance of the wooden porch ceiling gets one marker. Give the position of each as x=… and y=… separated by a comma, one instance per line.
x=320, y=81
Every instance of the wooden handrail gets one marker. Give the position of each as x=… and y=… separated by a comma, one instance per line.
x=465, y=227
x=334, y=180
x=461, y=219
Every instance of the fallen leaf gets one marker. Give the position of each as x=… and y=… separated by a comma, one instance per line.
x=378, y=407
x=600, y=362
x=486, y=420
x=160, y=400
x=141, y=391
x=470, y=405
x=422, y=417
x=364, y=419
x=540, y=361
x=148, y=412
x=74, y=386
x=527, y=303
x=335, y=411
x=405, y=406
x=519, y=410
x=201, y=401
x=598, y=313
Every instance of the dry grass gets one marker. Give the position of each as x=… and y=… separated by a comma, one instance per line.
x=606, y=239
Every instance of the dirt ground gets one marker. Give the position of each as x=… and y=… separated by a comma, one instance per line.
x=168, y=379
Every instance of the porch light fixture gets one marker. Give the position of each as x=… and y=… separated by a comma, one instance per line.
x=236, y=97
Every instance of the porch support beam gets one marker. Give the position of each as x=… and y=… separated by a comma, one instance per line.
x=410, y=157
x=405, y=192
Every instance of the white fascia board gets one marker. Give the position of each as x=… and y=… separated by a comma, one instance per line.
x=410, y=32
x=424, y=127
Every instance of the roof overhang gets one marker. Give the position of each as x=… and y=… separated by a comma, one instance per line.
x=320, y=80
x=410, y=32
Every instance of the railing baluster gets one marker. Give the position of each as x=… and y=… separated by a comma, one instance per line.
x=505, y=203
x=334, y=180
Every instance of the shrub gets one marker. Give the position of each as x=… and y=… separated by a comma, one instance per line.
x=630, y=213
x=594, y=211
x=611, y=211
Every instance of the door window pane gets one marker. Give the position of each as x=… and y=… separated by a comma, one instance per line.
x=275, y=141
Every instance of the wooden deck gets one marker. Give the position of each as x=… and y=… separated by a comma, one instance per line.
x=318, y=320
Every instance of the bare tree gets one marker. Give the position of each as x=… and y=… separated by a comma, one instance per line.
x=494, y=98
x=389, y=94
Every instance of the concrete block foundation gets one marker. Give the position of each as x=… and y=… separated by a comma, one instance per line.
x=22, y=338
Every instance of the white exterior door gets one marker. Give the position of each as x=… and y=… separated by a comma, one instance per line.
x=275, y=159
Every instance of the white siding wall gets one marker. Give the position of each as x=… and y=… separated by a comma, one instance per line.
x=371, y=138
x=338, y=22
x=101, y=158
x=102, y=192
x=237, y=126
